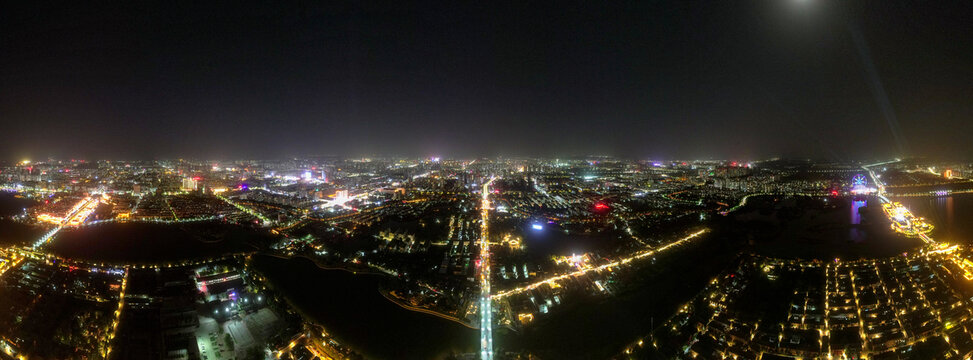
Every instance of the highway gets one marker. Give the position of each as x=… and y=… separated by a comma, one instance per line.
x=486, y=302
x=626, y=260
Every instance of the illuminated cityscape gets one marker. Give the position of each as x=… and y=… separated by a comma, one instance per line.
x=494, y=249
x=346, y=180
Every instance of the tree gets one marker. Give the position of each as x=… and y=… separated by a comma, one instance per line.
x=228, y=340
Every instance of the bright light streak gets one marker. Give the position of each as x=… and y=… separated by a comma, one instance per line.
x=486, y=301
x=554, y=279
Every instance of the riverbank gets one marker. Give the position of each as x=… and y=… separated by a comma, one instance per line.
x=385, y=293
x=350, y=306
x=396, y=301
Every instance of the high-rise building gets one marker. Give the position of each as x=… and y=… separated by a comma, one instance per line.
x=189, y=184
x=341, y=196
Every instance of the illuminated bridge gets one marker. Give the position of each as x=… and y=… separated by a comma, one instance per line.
x=895, y=210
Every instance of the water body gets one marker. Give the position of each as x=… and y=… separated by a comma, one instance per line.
x=14, y=232
x=821, y=228
x=552, y=239
x=600, y=327
x=154, y=243
x=11, y=205
x=950, y=215
x=350, y=307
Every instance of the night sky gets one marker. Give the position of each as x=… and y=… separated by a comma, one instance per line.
x=836, y=80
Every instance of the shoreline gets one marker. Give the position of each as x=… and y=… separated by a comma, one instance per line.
x=425, y=311
x=380, y=291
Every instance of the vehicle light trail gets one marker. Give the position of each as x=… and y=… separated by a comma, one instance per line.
x=636, y=256
x=486, y=301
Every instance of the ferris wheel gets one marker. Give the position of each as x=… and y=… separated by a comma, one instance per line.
x=859, y=180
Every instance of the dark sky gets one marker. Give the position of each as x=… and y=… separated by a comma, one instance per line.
x=644, y=79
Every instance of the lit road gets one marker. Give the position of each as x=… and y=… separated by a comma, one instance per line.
x=933, y=247
x=879, y=184
x=486, y=302
x=743, y=201
x=880, y=193
x=884, y=199
x=342, y=201
x=626, y=260
x=118, y=315
x=263, y=219
x=77, y=216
